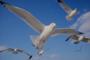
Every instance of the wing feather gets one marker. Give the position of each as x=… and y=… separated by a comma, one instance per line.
x=64, y=31
x=27, y=17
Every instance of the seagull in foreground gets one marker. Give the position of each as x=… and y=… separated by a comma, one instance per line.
x=67, y=9
x=45, y=30
x=16, y=51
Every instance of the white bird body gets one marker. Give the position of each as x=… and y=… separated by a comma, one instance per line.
x=81, y=38
x=71, y=14
x=39, y=41
x=48, y=30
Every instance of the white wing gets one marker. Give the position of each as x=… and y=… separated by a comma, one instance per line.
x=65, y=31
x=63, y=5
x=27, y=17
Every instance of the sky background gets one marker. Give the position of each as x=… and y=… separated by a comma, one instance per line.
x=16, y=34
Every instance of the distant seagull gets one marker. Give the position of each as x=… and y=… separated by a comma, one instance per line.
x=67, y=9
x=45, y=30
x=16, y=51
x=76, y=39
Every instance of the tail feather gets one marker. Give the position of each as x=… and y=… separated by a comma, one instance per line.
x=40, y=52
x=34, y=41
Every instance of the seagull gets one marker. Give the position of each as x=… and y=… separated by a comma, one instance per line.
x=45, y=30
x=71, y=12
x=76, y=39
x=16, y=51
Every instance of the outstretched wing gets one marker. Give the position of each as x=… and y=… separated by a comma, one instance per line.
x=27, y=17
x=65, y=31
x=7, y=49
x=65, y=7
x=3, y=48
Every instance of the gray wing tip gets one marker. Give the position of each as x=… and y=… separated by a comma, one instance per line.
x=81, y=32
x=2, y=2
x=60, y=1
x=30, y=57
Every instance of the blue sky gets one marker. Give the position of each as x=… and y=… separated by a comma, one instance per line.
x=16, y=34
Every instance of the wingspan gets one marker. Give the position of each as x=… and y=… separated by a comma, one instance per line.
x=27, y=17
x=65, y=31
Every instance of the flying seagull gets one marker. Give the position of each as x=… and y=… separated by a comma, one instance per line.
x=71, y=12
x=45, y=30
x=16, y=51
x=76, y=39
